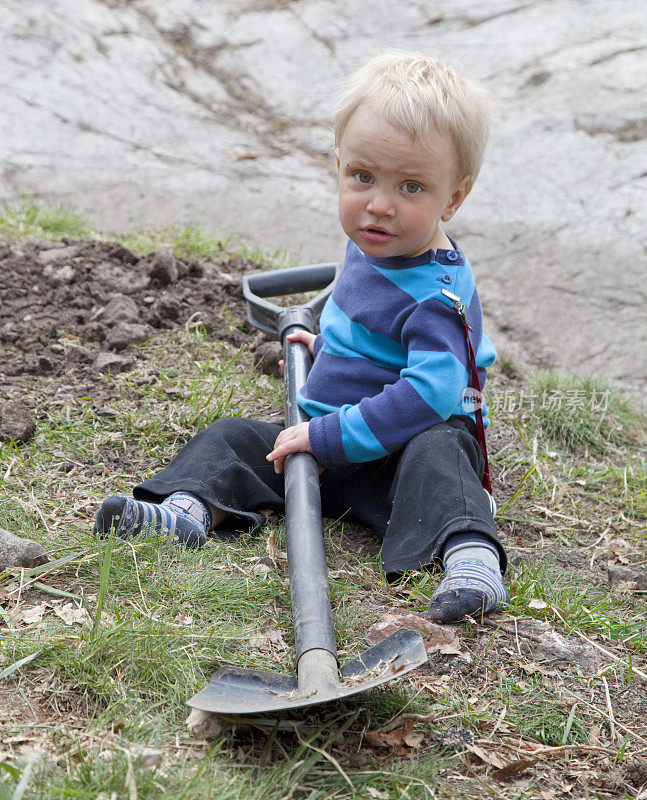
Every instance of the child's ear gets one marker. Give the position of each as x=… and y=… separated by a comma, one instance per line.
x=337, y=157
x=458, y=195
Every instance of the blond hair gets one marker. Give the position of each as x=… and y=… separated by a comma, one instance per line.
x=419, y=94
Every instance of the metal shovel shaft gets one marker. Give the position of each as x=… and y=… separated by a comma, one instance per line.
x=313, y=625
x=236, y=690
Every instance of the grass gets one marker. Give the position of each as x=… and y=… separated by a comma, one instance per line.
x=154, y=622
x=34, y=219
x=26, y=219
x=161, y=620
x=570, y=413
x=578, y=607
x=192, y=241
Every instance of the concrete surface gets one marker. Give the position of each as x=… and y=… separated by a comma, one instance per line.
x=215, y=111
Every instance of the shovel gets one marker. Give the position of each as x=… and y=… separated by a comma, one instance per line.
x=236, y=690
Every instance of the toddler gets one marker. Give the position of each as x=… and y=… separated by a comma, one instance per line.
x=393, y=395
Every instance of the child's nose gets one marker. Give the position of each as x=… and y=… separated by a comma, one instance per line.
x=380, y=204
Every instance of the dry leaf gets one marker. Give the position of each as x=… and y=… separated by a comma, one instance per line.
x=487, y=758
x=71, y=614
x=272, y=549
x=33, y=614
x=435, y=637
x=393, y=738
x=250, y=154
x=536, y=603
x=275, y=637
x=448, y=649
x=269, y=639
x=396, y=738
x=414, y=740
x=514, y=768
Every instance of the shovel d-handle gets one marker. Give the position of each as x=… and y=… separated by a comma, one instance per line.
x=269, y=317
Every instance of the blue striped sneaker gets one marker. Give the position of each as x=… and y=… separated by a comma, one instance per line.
x=129, y=518
x=469, y=588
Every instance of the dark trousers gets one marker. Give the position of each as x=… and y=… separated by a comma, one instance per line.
x=413, y=500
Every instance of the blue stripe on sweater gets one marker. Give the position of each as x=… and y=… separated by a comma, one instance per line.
x=439, y=379
x=349, y=339
x=325, y=440
x=359, y=441
x=421, y=282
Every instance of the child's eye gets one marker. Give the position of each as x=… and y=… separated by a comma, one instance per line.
x=363, y=177
x=411, y=187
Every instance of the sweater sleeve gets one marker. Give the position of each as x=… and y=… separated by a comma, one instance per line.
x=428, y=391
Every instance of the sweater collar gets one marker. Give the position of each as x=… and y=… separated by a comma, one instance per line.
x=453, y=258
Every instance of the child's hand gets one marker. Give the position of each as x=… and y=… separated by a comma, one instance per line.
x=291, y=440
x=304, y=336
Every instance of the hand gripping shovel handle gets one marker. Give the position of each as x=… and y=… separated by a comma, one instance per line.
x=313, y=626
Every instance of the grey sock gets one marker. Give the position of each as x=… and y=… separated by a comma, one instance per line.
x=485, y=555
x=473, y=584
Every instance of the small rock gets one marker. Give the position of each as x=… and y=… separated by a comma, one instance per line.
x=57, y=348
x=147, y=756
x=126, y=333
x=164, y=269
x=118, y=279
x=16, y=422
x=48, y=244
x=54, y=254
x=551, y=645
x=204, y=724
x=79, y=355
x=111, y=362
x=636, y=771
x=65, y=274
x=39, y=760
x=538, y=78
x=120, y=309
x=5, y=251
x=267, y=355
x=195, y=268
x=17, y=552
x=621, y=577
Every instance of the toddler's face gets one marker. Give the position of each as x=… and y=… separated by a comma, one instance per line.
x=394, y=191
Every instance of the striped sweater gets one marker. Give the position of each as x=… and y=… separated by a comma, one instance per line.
x=391, y=359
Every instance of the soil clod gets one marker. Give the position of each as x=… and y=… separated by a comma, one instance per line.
x=16, y=422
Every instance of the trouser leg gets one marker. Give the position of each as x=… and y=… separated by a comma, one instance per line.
x=436, y=493
x=225, y=466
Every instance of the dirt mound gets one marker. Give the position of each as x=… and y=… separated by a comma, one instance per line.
x=85, y=306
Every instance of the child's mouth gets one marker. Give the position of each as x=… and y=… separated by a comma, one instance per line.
x=374, y=234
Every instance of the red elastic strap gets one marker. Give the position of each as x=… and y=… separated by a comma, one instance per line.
x=480, y=427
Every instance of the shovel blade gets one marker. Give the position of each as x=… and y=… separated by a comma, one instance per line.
x=234, y=690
